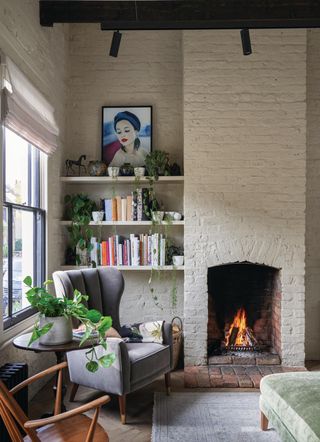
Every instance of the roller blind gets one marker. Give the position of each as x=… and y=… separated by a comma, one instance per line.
x=25, y=110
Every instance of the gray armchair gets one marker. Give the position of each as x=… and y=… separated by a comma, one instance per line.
x=137, y=364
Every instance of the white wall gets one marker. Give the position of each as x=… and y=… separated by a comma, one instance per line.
x=41, y=53
x=146, y=72
x=245, y=170
x=313, y=197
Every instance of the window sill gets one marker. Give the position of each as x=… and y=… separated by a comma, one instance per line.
x=8, y=335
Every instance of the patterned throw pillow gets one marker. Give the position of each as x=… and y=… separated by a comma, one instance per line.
x=143, y=332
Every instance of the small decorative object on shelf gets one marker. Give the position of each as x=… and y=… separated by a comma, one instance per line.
x=98, y=216
x=139, y=171
x=177, y=260
x=55, y=322
x=97, y=168
x=177, y=216
x=157, y=216
x=78, y=163
x=172, y=251
x=113, y=172
x=157, y=164
x=126, y=170
x=175, y=169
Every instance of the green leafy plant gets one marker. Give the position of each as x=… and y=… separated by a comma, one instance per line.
x=94, y=323
x=78, y=209
x=157, y=163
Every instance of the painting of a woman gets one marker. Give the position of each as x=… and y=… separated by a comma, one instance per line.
x=126, y=135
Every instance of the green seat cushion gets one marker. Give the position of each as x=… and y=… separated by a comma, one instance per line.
x=295, y=399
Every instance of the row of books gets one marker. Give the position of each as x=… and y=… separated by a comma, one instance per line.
x=130, y=208
x=137, y=250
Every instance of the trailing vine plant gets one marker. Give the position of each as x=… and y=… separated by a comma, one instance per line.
x=79, y=208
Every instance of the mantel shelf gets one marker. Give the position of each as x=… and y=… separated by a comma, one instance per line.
x=127, y=223
x=118, y=180
x=126, y=268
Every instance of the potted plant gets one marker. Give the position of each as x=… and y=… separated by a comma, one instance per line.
x=157, y=164
x=79, y=208
x=54, y=326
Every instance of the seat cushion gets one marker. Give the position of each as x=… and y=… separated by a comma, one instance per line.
x=147, y=360
x=295, y=398
x=74, y=429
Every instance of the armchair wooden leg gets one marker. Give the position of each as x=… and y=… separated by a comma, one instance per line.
x=122, y=406
x=73, y=392
x=264, y=422
x=167, y=378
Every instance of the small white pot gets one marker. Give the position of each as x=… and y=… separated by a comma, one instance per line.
x=177, y=216
x=157, y=216
x=178, y=260
x=113, y=171
x=97, y=216
x=139, y=171
x=60, y=333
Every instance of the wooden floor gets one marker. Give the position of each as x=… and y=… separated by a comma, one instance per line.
x=139, y=407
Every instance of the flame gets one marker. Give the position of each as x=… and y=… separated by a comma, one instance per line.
x=240, y=322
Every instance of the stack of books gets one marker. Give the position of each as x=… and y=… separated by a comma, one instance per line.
x=129, y=208
x=137, y=250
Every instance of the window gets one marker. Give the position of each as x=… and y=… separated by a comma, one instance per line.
x=23, y=225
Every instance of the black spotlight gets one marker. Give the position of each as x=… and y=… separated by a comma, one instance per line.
x=246, y=42
x=115, y=44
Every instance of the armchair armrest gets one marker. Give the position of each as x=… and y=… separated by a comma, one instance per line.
x=115, y=379
x=67, y=414
x=167, y=339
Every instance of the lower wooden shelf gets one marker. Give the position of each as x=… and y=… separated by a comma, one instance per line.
x=129, y=268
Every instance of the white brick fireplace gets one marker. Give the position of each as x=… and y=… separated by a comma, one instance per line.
x=245, y=170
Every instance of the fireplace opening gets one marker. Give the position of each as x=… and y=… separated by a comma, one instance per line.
x=244, y=309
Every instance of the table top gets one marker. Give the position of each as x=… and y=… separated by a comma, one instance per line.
x=23, y=340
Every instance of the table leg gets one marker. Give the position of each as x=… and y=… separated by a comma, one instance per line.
x=60, y=358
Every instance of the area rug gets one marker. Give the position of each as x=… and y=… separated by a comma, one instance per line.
x=208, y=417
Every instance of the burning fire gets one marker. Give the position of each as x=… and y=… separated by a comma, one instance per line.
x=239, y=333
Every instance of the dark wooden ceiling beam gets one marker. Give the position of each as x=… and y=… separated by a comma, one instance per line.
x=184, y=14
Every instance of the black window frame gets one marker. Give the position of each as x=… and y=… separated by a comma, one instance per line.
x=39, y=232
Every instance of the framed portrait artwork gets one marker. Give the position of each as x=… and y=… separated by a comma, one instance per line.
x=126, y=135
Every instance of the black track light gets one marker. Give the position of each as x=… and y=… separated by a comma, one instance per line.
x=115, y=44
x=246, y=42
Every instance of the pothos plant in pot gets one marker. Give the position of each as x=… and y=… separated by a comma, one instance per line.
x=54, y=326
x=79, y=208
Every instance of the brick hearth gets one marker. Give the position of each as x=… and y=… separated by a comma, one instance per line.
x=231, y=376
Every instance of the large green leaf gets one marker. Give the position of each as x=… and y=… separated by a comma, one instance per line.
x=92, y=366
x=28, y=281
x=106, y=323
x=107, y=360
x=94, y=316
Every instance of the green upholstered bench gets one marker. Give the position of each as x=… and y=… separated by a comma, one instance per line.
x=291, y=402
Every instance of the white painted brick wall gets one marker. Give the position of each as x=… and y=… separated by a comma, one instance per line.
x=146, y=72
x=313, y=198
x=245, y=168
x=41, y=55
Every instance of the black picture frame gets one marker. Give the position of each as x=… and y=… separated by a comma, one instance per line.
x=144, y=114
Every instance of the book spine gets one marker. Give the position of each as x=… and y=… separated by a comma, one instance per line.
x=162, y=251
x=123, y=209
x=120, y=257
x=107, y=253
x=134, y=206
x=118, y=198
x=129, y=208
x=114, y=209
x=149, y=250
x=108, y=210
x=145, y=204
x=139, y=205
x=110, y=251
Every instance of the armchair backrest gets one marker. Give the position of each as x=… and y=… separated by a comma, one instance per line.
x=104, y=286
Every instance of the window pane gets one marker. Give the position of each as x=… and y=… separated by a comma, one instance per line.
x=16, y=170
x=5, y=262
x=22, y=256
